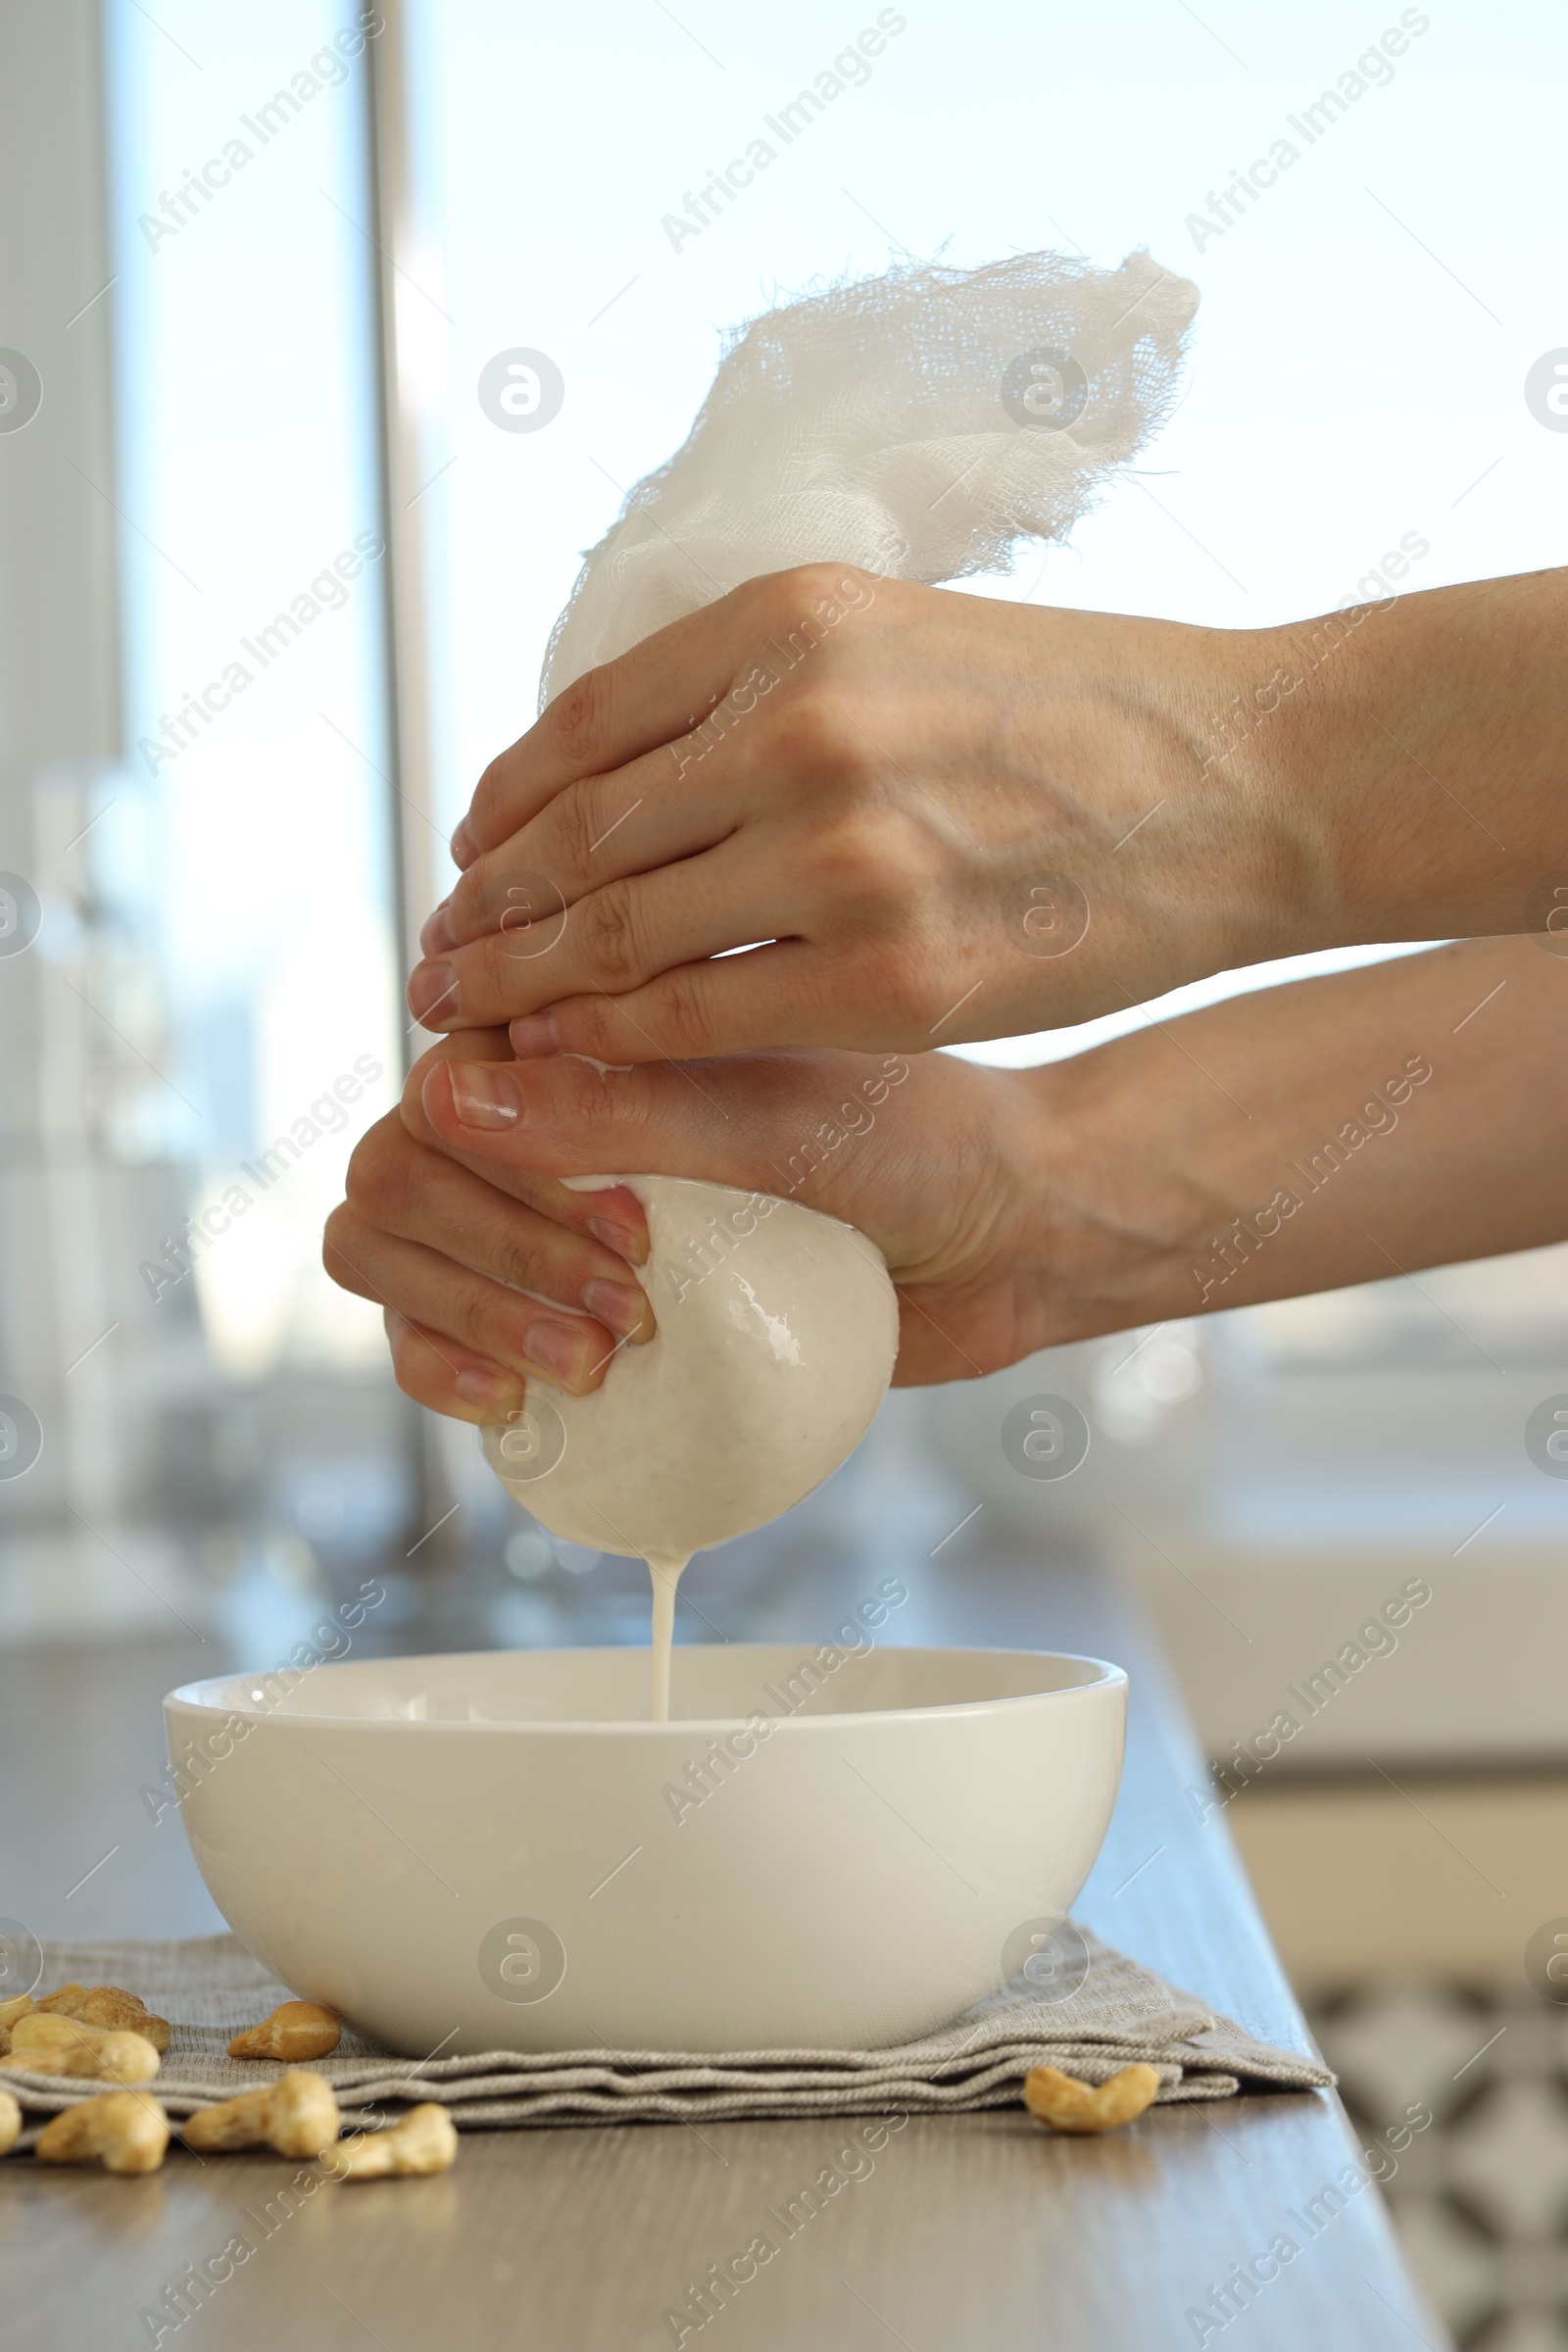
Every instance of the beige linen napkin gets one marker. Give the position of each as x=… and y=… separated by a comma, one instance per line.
x=1122, y=2013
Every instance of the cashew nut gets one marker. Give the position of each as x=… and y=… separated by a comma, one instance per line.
x=424, y=2141
x=295, y=2030
x=125, y=2131
x=10, y=2121
x=19, y=2005
x=1072, y=2106
x=65, y=2045
x=108, y=2005
x=297, y=2115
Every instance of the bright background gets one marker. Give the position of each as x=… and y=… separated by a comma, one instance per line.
x=225, y=1453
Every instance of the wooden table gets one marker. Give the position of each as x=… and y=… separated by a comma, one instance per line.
x=972, y=2231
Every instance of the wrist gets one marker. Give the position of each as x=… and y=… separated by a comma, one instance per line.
x=1422, y=745
x=1264, y=765
x=1325, y=756
x=1229, y=863
x=1109, y=1212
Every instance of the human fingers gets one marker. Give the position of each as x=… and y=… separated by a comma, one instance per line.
x=595, y=830
x=613, y=1217
x=401, y=1187
x=524, y=1336
x=435, y=1371
x=616, y=940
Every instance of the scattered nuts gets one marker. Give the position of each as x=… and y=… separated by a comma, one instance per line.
x=424, y=2141
x=297, y=2115
x=125, y=2131
x=10, y=2121
x=1073, y=2106
x=295, y=2030
x=19, y=2005
x=65, y=2045
x=107, y=2005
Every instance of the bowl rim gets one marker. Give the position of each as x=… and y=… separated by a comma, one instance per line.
x=189, y=1696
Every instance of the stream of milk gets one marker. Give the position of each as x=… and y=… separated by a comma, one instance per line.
x=665, y=1571
x=777, y=1332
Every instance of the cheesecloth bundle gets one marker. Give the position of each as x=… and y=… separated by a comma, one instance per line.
x=918, y=423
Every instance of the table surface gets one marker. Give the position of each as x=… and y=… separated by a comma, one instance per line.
x=970, y=2231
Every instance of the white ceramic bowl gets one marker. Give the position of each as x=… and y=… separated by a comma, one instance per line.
x=493, y=1851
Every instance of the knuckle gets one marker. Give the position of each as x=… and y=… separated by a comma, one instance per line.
x=513, y=1263
x=493, y=810
x=805, y=586
x=866, y=876
x=335, y=1241
x=575, y=722
x=858, y=856
x=573, y=830
x=817, y=736
x=806, y=605
x=818, y=580
x=680, y=1009
x=410, y=1357
x=488, y=794
x=468, y=909
x=593, y=1027
x=463, y=1316
x=343, y=1251
x=371, y=1166
x=595, y=1112
x=610, y=933
x=908, y=984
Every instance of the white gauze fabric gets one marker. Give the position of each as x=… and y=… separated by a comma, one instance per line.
x=918, y=425
x=870, y=424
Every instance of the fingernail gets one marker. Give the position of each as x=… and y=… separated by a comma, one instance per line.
x=536, y=1034
x=463, y=846
x=491, y=1392
x=436, y=936
x=557, y=1347
x=626, y=1240
x=484, y=1093
x=432, y=989
x=620, y=1304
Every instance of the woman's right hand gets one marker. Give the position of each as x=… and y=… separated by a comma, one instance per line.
x=1293, y=1139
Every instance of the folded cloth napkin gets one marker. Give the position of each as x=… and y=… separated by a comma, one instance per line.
x=210, y=1987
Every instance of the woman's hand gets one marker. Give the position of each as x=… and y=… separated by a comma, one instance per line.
x=951, y=817
x=463, y=1266
x=946, y=1166
x=1298, y=1139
